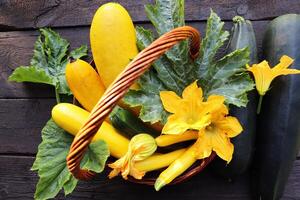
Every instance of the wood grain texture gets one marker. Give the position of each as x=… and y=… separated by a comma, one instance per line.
x=17, y=49
x=18, y=182
x=21, y=121
x=61, y=13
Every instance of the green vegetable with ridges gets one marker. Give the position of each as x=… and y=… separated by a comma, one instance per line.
x=242, y=35
x=278, y=133
x=128, y=124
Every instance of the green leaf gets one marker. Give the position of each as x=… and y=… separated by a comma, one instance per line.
x=214, y=38
x=48, y=62
x=51, y=165
x=235, y=89
x=79, y=52
x=166, y=15
x=31, y=74
x=151, y=106
x=70, y=185
x=225, y=76
x=162, y=66
x=93, y=159
x=147, y=97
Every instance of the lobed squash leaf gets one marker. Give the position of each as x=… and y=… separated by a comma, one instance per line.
x=50, y=162
x=48, y=62
x=175, y=70
x=226, y=76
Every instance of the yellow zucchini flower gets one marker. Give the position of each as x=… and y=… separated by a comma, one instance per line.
x=216, y=136
x=210, y=119
x=188, y=112
x=140, y=147
x=264, y=75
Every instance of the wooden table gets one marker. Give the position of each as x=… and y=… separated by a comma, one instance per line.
x=24, y=108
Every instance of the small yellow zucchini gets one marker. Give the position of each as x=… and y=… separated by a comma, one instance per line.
x=166, y=140
x=113, y=41
x=84, y=82
x=182, y=163
x=158, y=161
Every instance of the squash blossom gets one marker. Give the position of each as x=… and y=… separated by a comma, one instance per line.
x=216, y=136
x=189, y=112
x=210, y=118
x=264, y=75
x=140, y=147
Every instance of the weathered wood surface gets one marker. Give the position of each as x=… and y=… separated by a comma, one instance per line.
x=21, y=122
x=17, y=49
x=18, y=182
x=61, y=13
x=25, y=108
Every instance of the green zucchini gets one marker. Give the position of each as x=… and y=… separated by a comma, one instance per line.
x=128, y=124
x=242, y=36
x=278, y=133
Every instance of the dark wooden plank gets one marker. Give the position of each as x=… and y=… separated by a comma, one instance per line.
x=21, y=123
x=16, y=14
x=17, y=48
x=18, y=182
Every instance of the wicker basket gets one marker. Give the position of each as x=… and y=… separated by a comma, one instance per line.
x=118, y=89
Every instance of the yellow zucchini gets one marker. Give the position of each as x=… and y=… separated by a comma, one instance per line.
x=166, y=140
x=158, y=161
x=176, y=168
x=113, y=41
x=71, y=118
x=84, y=82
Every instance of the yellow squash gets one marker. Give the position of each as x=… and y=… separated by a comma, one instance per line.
x=113, y=41
x=71, y=118
x=84, y=82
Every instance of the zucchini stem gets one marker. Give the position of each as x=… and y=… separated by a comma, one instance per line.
x=57, y=95
x=259, y=104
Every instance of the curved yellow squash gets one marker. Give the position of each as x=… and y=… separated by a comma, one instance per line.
x=70, y=118
x=113, y=41
x=84, y=82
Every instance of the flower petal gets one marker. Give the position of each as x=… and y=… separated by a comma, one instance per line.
x=175, y=125
x=214, y=103
x=285, y=62
x=230, y=125
x=263, y=76
x=288, y=71
x=222, y=146
x=192, y=92
x=203, y=145
x=170, y=101
x=201, y=122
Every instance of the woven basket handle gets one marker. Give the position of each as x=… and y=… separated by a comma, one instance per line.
x=119, y=88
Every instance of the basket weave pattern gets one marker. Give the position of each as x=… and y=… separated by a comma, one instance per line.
x=119, y=88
